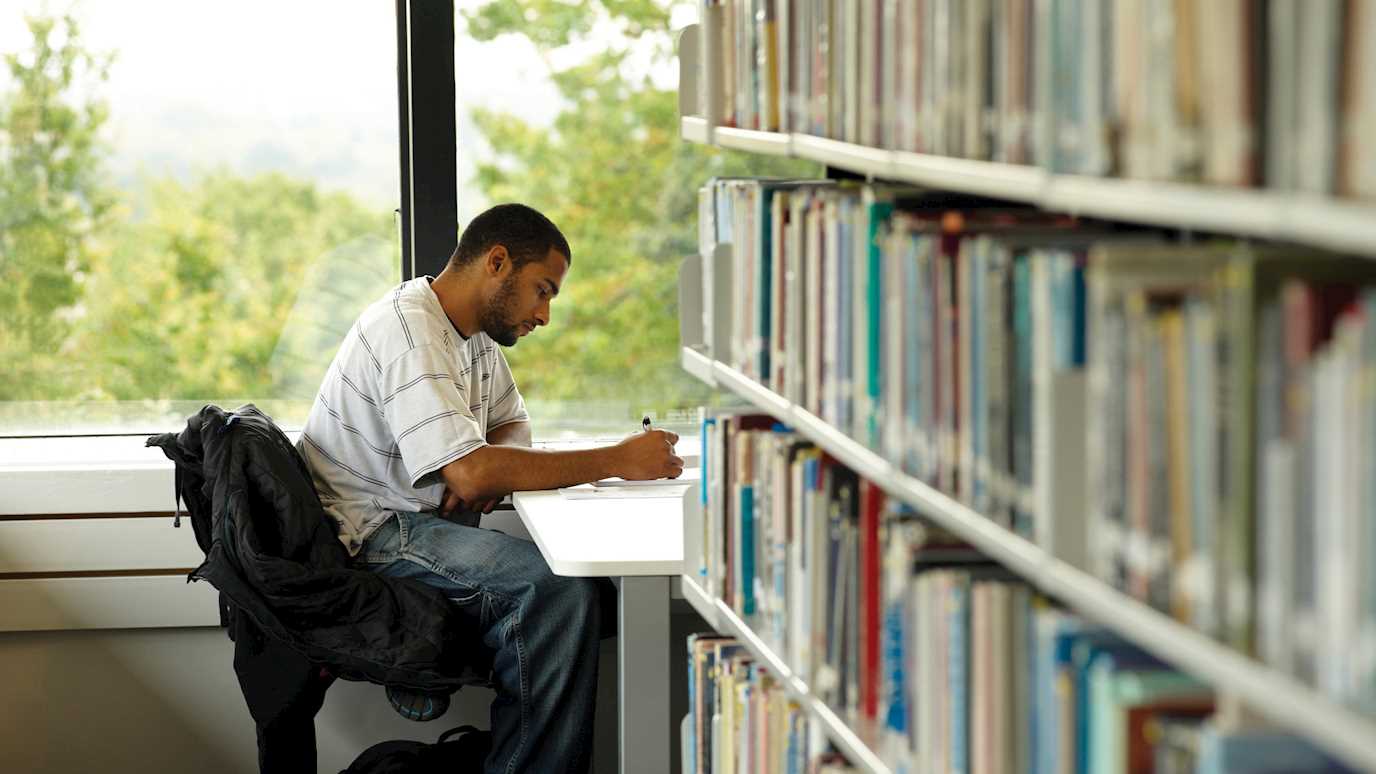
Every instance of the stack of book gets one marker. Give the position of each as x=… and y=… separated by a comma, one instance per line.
x=1316, y=532
x=1188, y=421
x=746, y=320
x=740, y=718
x=918, y=324
x=937, y=657
x=1279, y=93
x=1232, y=388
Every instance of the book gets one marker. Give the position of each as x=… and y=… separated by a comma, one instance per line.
x=1233, y=93
x=1258, y=751
x=1176, y=416
x=701, y=663
x=1114, y=687
x=1356, y=162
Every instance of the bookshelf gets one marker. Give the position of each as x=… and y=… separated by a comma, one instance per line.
x=1280, y=698
x=1322, y=221
x=724, y=620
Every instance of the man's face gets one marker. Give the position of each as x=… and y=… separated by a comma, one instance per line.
x=521, y=302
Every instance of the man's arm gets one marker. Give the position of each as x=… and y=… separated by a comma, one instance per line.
x=496, y=471
x=510, y=434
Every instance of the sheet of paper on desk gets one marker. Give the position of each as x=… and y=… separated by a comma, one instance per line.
x=666, y=490
x=689, y=476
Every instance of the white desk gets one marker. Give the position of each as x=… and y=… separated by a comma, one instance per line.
x=640, y=540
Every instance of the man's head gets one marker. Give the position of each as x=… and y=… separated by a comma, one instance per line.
x=519, y=258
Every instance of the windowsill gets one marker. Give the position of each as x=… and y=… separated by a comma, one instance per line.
x=100, y=475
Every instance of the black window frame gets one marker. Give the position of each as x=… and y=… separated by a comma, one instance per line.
x=427, y=133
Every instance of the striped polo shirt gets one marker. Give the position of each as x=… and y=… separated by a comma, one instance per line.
x=405, y=396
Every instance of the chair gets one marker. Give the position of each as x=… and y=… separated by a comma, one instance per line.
x=300, y=616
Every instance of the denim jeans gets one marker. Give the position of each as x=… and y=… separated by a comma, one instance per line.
x=543, y=630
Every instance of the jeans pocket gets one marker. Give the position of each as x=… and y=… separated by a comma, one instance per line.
x=467, y=598
x=384, y=545
x=474, y=605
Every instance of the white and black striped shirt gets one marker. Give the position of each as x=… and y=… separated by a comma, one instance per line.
x=405, y=396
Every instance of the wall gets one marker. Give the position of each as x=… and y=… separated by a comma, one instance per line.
x=166, y=700
x=81, y=696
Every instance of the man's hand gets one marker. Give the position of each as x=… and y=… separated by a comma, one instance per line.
x=452, y=502
x=649, y=455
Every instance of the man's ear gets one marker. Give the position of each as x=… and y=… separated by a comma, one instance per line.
x=498, y=259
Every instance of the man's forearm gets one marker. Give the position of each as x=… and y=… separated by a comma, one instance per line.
x=496, y=471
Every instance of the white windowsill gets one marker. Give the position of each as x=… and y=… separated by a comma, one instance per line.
x=118, y=474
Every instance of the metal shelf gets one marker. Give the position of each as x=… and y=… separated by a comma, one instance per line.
x=1322, y=221
x=722, y=618
x=1006, y=181
x=694, y=129
x=771, y=143
x=697, y=364
x=1343, y=732
x=856, y=158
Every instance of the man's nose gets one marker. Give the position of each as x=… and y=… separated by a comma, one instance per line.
x=542, y=314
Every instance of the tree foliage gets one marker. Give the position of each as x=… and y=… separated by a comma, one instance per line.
x=613, y=173
x=229, y=288
x=223, y=290
x=54, y=200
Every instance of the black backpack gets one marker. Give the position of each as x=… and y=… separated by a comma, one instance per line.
x=446, y=755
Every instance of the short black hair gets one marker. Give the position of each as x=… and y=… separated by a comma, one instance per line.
x=526, y=234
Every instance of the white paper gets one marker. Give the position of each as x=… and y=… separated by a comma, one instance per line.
x=588, y=492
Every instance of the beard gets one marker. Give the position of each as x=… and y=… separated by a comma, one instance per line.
x=496, y=315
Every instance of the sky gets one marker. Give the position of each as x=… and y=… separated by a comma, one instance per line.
x=306, y=86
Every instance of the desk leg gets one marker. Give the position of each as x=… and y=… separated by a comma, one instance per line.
x=643, y=671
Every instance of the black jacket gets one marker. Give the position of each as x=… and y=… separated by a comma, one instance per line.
x=273, y=553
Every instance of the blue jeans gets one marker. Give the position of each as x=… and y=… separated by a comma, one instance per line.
x=543, y=630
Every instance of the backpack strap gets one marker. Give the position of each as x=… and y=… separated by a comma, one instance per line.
x=451, y=732
x=177, y=495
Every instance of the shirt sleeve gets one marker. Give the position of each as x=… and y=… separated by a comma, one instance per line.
x=426, y=406
x=507, y=404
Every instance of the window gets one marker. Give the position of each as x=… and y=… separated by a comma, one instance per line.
x=576, y=114
x=188, y=217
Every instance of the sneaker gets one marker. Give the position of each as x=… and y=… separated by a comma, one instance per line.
x=414, y=705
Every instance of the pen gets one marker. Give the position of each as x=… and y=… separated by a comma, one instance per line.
x=645, y=424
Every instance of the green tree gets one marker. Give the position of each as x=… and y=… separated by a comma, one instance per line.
x=54, y=203
x=227, y=288
x=222, y=288
x=613, y=173
x=231, y=288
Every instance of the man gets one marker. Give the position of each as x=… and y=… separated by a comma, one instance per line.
x=419, y=418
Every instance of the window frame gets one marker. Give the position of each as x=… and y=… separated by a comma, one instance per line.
x=44, y=476
x=427, y=127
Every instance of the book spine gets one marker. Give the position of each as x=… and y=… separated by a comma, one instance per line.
x=958, y=672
